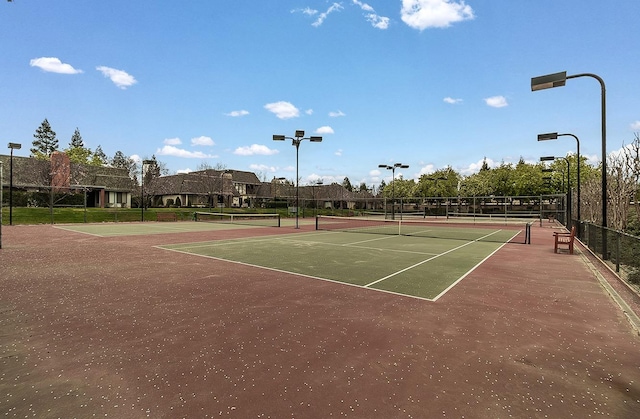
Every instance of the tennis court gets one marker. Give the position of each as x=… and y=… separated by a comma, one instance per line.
x=424, y=264
x=206, y=222
x=118, y=326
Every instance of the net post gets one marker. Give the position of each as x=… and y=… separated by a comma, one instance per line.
x=317, y=218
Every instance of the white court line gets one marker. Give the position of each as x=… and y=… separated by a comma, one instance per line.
x=430, y=259
x=469, y=271
x=358, y=247
x=78, y=231
x=297, y=274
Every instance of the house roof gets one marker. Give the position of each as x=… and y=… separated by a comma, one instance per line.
x=29, y=172
x=203, y=182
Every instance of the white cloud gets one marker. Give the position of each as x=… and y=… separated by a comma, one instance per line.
x=325, y=130
x=262, y=168
x=202, y=141
x=635, y=126
x=187, y=170
x=336, y=114
x=172, y=141
x=120, y=78
x=255, y=149
x=169, y=150
x=309, y=111
x=237, y=113
x=283, y=110
x=338, y=152
x=377, y=21
x=423, y=14
x=427, y=169
x=452, y=100
x=321, y=18
x=53, y=65
x=475, y=167
x=136, y=158
x=307, y=11
x=496, y=101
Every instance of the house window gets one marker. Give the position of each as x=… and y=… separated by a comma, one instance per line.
x=119, y=197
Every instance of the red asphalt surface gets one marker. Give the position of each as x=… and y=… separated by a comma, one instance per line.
x=115, y=327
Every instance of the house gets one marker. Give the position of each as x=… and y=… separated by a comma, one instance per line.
x=205, y=188
x=35, y=179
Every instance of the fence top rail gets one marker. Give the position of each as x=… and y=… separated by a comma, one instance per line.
x=611, y=229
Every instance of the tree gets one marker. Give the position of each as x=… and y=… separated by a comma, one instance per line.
x=485, y=165
x=121, y=161
x=77, y=152
x=45, y=141
x=347, y=184
x=98, y=158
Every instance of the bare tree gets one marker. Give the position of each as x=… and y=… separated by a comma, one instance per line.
x=623, y=176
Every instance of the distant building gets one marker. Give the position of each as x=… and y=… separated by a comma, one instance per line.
x=205, y=188
x=106, y=187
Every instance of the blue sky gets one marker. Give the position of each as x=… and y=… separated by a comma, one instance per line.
x=428, y=83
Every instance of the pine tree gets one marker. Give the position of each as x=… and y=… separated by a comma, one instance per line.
x=45, y=141
x=98, y=158
x=77, y=152
x=76, y=140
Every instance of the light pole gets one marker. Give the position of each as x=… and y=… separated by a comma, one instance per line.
x=558, y=80
x=551, y=158
x=12, y=146
x=393, y=186
x=144, y=162
x=296, y=142
x=315, y=195
x=554, y=136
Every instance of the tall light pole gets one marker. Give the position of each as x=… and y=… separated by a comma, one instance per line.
x=393, y=186
x=12, y=146
x=558, y=80
x=554, y=136
x=319, y=182
x=551, y=158
x=144, y=162
x=296, y=142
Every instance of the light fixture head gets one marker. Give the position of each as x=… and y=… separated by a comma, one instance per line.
x=315, y=139
x=384, y=166
x=548, y=136
x=548, y=81
x=547, y=158
x=278, y=138
x=15, y=146
x=299, y=133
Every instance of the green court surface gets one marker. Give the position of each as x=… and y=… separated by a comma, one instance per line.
x=136, y=229
x=414, y=266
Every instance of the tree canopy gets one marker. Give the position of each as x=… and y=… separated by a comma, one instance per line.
x=45, y=141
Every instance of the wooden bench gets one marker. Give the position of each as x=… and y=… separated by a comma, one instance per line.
x=166, y=216
x=564, y=239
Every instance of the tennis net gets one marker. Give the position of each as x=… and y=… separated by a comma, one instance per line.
x=422, y=228
x=263, y=220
